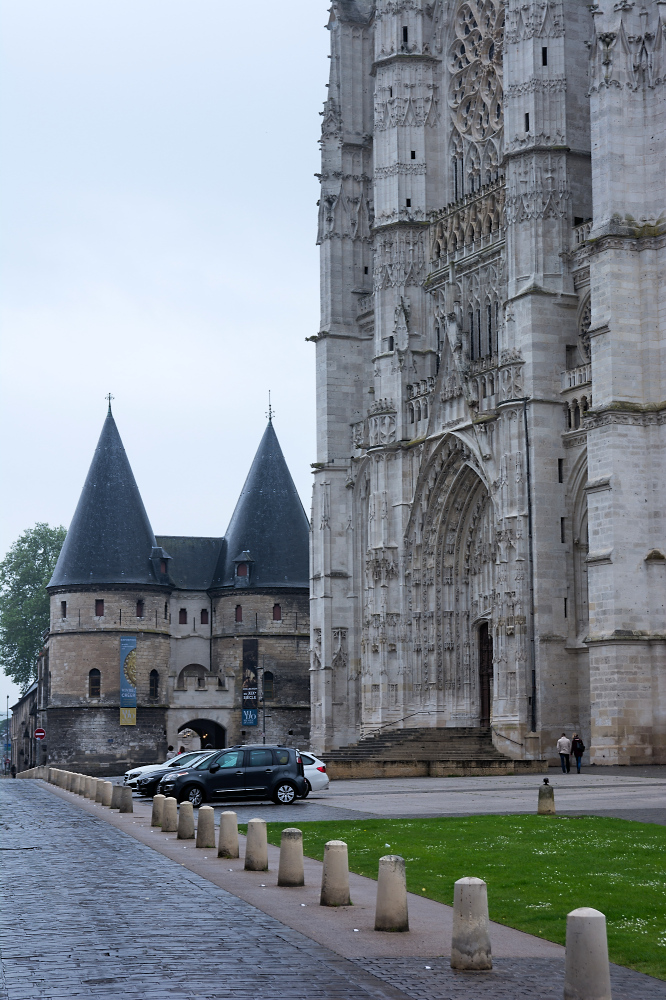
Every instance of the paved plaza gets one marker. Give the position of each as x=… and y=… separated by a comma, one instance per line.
x=90, y=910
x=627, y=793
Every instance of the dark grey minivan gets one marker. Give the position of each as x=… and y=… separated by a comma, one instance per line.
x=243, y=772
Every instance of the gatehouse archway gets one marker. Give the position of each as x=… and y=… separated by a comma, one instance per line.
x=211, y=734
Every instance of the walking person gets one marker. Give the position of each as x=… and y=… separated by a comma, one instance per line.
x=171, y=753
x=564, y=750
x=577, y=749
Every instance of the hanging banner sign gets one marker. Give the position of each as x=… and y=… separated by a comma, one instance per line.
x=128, y=680
x=250, y=686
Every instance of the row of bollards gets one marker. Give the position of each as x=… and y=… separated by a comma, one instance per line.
x=96, y=789
x=587, y=972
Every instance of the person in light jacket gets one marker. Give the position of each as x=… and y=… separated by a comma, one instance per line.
x=577, y=749
x=564, y=750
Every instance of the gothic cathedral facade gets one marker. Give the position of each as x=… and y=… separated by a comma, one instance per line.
x=488, y=531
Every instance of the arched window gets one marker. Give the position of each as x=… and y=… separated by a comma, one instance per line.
x=139, y=609
x=241, y=569
x=94, y=683
x=277, y=613
x=411, y=413
x=577, y=416
x=204, y=616
x=239, y=612
x=418, y=412
x=154, y=684
x=182, y=616
x=425, y=409
x=269, y=687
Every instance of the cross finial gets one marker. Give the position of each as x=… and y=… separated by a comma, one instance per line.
x=270, y=413
x=109, y=397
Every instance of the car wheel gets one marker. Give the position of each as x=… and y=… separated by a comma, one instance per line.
x=193, y=794
x=308, y=789
x=284, y=794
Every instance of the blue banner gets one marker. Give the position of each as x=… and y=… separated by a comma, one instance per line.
x=128, y=680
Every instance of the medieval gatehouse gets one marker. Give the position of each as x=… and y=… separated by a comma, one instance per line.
x=154, y=639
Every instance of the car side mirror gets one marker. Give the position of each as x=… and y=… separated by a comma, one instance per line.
x=213, y=768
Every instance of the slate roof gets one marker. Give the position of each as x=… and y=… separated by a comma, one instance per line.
x=110, y=539
x=193, y=560
x=269, y=523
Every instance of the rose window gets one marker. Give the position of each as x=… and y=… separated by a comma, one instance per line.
x=475, y=61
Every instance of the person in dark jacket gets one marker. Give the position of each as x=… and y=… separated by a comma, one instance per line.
x=577, y=749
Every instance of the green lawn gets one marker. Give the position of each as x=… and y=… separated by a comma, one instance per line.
x=538, y=868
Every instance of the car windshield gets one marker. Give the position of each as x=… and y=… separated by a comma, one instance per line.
x=185, y=758
x=233, y=758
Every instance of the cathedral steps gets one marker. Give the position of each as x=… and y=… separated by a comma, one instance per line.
x=428, y=752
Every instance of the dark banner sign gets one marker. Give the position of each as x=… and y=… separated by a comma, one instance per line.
x=250, y=685
x=128, y=680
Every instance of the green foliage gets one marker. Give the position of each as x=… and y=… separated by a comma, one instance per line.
x=538, y=869
x=24, y=603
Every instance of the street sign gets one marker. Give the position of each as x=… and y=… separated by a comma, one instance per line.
x=40, y=734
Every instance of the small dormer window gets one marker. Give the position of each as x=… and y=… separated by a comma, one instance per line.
x=163, y=566
x=242, y=569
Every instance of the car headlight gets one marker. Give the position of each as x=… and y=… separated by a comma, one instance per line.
x=134, y=774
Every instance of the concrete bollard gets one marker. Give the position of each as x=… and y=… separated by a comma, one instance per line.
x=116, y=796
x=335, y=876
x=99, y=789
x=227, y=841
x=158, y=810
x=391, y=909
x=206, y=827
x=126, y=803
x=76, y=780
x=256, y=846
x=170, y=815
x=83, y=781
x=89, y=788
x=546, y=805
x=587, y=973
x=107, y=793
x=290, y=869
x=470, y=940
x=49, y=774
x=186, y=821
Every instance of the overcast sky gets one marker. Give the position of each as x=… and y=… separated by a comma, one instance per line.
x=158, y=227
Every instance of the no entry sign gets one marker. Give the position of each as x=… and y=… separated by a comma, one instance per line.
x=40, y=734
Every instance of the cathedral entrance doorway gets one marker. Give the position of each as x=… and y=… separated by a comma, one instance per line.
x=210, y=733
x=485, y=673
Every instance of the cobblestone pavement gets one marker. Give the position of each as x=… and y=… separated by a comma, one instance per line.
x=91, y=912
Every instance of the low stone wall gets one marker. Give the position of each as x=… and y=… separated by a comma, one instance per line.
x=374, y=768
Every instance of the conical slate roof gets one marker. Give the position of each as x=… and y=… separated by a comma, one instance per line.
x=269, y=529
x=110, y=539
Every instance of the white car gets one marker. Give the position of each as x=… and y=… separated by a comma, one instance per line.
x=134, y=773
x=314, y=771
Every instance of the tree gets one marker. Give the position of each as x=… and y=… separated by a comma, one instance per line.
x=24, y=603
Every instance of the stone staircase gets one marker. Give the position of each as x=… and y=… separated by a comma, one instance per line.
x=432, y=752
